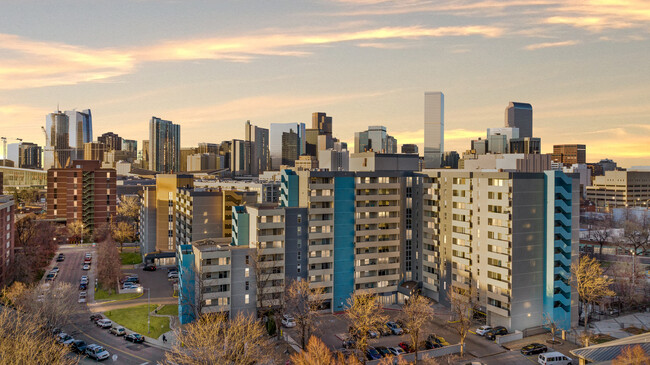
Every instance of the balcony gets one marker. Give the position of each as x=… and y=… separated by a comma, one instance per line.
x=497, y=310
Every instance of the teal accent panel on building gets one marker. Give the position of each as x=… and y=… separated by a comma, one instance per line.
x=344, y=207
x=557, y=253
x=289, y=189
x=240, y=226
x=186, y=283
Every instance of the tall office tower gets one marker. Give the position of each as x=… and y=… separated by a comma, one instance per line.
x=164, y=146
x=409, y=148
x=260, y=156
x=82, y=192
x=57, y=141
x=240, y=157
x=520, y=115
x=81, y=131
x=130, y=146
x=145, y=153
x=208, y=148
x=184, y=154
x=569, y=154
x=7, y=241
x=275, y=141
x=94, y=151
x=321, y=122
x=434, y=129
x=112, y=141
x=289, y=148
x=25, y=155
x=374, y=139
x=311, y=142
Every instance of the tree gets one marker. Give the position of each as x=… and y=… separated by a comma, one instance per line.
x=109, y=265
x=317, y=353
x=590, y=283
x=77, y=231
x=129, y=208
x=416, y=312
x=551, y=324
x=628, y=280
x=268, y=277
x=123, y=232
x=365, y=315
x=303, y=302
x=600, y=232
x=52, y=304
x=636, y=235
x=35, y=245
x=632, y=355
x=213, y=339
x=462, y=309
x=23, y=338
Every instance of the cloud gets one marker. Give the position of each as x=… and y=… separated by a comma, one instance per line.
x=532, y=47
x=39, y=64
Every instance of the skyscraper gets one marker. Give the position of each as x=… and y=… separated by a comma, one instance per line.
x=57, y=140
x=321, y=122
x=290, y=148
x=260, y=158
x=164, y=145
x=275, y=141
x=520, y=115
x=434, y=129
x=81, y=131
x=375, y=139
x=112, y=141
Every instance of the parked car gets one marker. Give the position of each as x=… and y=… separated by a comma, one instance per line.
x=373, y=334
x=402, y=325
x=533, y=348
x=613, y=312
x=383, y=351
x=496, y=331
x=64, y=338
x=55, y=270
x=288, y=321
x=78, y=346
x=82, y=297
x=85, y=267
x=97, y=352
x=482, y=330
x=132, y=279
x=438, y=339
x=50, y=277
x=396, y=351
x=429, y=344
x=395, y=328
x=104, y=323
x=384, y=330
x=96, y=317
x=149, y=268
x=172, y=275
x=134, y=337
x=117, y=331
x=60, y=258
x=349, y=343
x=406, y=347
x=372, y=354
x=554, y=358
x=130, y=285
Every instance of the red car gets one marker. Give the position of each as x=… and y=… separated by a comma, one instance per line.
x=406, y=346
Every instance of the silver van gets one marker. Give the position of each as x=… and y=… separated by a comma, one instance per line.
x=554, y=358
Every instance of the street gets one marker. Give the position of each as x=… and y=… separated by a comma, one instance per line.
x=82, y=328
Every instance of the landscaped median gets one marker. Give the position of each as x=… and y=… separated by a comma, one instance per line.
x=135, y=319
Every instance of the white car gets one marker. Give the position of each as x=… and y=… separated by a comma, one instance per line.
x=172, y=275
x=82, y=297
x=64, y=338
x=396, y=351
x=105, y=323
x=288, y=321
x=97, y=352
x=482, y=330
x=86, y=267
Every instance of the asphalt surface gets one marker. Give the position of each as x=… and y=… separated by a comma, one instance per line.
x=80, y=327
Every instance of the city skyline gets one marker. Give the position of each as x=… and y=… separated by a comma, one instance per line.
x=363, y=62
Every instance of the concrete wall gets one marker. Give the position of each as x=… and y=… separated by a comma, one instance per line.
x=295, y=242
x=238, y=279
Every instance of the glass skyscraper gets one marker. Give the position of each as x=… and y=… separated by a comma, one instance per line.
x=164, y=146
x=434, y=129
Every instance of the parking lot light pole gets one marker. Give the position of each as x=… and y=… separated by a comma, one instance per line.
x=148, y=309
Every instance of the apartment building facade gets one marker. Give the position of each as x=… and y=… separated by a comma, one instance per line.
x=619, y=189
x=7, y=232
x=83, y=192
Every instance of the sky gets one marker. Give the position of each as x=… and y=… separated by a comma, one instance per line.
x=584, y=65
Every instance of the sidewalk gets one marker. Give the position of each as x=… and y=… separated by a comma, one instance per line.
x=614, y=326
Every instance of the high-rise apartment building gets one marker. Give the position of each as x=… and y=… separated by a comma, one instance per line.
x=208, y=148
x=94, y=151
x=7, y=240
x=374, y=139
x=82, y=192
x=130, y=146
x=112, y=141
x=57, y=152
x=434, y=129
x=164, y=146
x=81, y=131
x=260, y=155
x=569, y=154
x=520, y=115
x=275, y=141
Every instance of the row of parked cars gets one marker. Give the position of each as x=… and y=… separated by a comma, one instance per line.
x=378, y=352
x=105, y=323
x=93, y=351
x=545, y=357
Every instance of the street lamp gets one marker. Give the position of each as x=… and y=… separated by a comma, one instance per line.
x=633, y=268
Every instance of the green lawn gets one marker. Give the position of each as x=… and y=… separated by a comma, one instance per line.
x=130, y=258
x=135, y=319
x=169, y=310
x=101, y=294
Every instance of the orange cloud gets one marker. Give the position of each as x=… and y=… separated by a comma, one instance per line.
x=536, y=46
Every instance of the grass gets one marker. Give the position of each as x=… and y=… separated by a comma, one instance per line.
x=135, y=319
x=101, y=294
x=169, y=310
x=634, y=330
x=601, y=338
x=130, y=258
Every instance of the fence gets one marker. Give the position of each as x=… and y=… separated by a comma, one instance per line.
x=517, y=335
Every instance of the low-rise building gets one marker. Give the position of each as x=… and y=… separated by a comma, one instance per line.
x=618, y=189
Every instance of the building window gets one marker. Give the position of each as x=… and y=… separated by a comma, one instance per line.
x=247, y=285
x=246, y=272
x=246, y=299
x=298, y=269
x=247, y=260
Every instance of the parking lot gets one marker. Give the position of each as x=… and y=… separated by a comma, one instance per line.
x=156, y=281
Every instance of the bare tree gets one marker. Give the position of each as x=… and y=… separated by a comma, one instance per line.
x=462, y=309
x=24, y=340
x=303, y=302
x=416, y=312
x=52, y=304
x=551, y=324
x=123, y=232
x=35, y=245
x=636, y=235
x=627, y=280
x=109, y=265
x=77, y=231
x=600, y=232
x=590, y=283
x=632, y=355
x=365, y=315
x=213, y=339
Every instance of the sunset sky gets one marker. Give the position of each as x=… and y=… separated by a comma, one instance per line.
x=584, y=65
